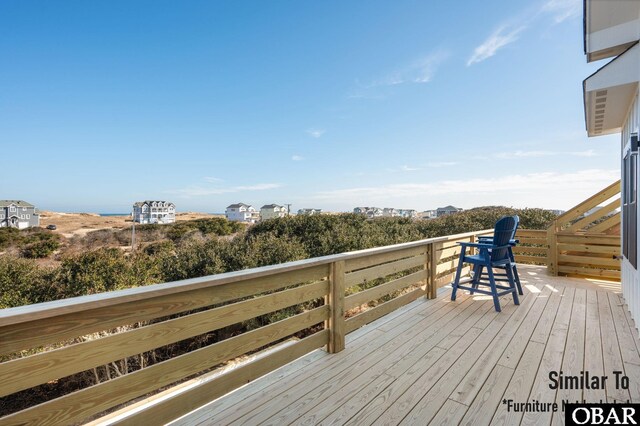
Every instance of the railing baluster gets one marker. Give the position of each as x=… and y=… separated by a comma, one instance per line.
x=552, y=241
x=433, y=264
x=336, y=323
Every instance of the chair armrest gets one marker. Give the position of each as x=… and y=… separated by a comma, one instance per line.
x=478, y=245
x=483, y=245
x=490, y=239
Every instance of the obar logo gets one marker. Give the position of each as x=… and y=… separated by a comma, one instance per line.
x=602, y=414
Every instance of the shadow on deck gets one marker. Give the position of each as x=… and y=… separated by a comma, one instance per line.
x=442, y=362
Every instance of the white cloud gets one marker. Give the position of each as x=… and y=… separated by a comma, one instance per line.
x=560, y=190
x=316, y=133
x=563, y=9
x=212, y=179
x=537, y=154
x=297, y=158
x=587, y=153
x=524, y=154
x=199, y=191
x=406, y=168
x=437, y=164
x=500, y=38
x=420, y=71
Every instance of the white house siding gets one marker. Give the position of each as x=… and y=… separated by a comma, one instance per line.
x=630, y=277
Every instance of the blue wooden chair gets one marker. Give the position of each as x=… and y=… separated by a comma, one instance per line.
x=488, y=239
x=495, y=254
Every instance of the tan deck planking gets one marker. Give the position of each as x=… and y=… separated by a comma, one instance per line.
x=451, y=362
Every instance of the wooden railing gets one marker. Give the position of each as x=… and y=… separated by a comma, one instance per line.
x=330, y=295
x=587, y=244
x=532, y=247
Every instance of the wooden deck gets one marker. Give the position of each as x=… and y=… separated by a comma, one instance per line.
x=443, y=362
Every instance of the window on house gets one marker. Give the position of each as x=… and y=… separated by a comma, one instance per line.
x=28, y=216
x=12, y=208
x=630, y=207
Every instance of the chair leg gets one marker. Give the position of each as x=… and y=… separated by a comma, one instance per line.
x=456, y=281
x=512, y=284
x=494, y=290
x=477, y=272
x=517, y=279
x=515, y=271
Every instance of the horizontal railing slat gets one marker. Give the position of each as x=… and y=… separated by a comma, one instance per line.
x=366, y=262
x=78, y=405
x=589, y=272
x=529, y=250
x=613, y=250
x=378, y=291
x=34, y=333
x=383, y=270
x=23, y=373
x=366, y=317
x=594, y=262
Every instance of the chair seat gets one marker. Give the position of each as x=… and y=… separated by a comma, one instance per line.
x=477, y=259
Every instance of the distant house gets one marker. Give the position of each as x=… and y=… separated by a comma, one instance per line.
x=443, y=211
x=429, y=214
x=154, y=211
x=409, y=213
x=270, y=211
x=373, y=212
x=242, y=212
x=360, y=210
x=390, y=212
x=18, y=214
x=309, y=212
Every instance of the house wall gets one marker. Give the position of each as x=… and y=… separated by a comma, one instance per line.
x=270, y=214
x=630, y=276
x=27, y=217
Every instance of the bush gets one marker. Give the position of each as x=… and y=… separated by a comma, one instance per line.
x=23, y=282
x=9, y=237
x=37, y=243
x=103, y=270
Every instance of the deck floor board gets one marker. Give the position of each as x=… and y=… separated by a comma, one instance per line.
x=442, y=362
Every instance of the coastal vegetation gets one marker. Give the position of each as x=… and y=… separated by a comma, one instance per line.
x=97, y=262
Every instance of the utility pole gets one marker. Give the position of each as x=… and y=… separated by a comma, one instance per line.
x=288, y=209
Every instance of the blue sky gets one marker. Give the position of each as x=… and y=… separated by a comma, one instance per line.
x=324, y=104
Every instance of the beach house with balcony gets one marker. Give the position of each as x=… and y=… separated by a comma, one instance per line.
x=612, y=31
x=18, y=214
x=154, y=211
x=443, y=211
x=271, y=211
x=241, y=212
x=309, y=212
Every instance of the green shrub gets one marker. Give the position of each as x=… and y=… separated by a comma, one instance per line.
x=23, y=282
x=37, y=243
x=9, y=237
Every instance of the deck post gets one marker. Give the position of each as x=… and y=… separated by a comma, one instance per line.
x=336, y=323
x=552, y=255
x=431, y=265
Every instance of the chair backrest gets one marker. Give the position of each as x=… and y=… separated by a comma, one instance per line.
x=517, y=219
x=503, y=232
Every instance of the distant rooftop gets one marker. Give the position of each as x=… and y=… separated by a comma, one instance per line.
x=18, y=203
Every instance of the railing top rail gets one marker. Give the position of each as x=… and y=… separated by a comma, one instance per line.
x=589, y=203
x=55, y=308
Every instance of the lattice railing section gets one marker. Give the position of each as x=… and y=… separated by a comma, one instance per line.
x=585, y=241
